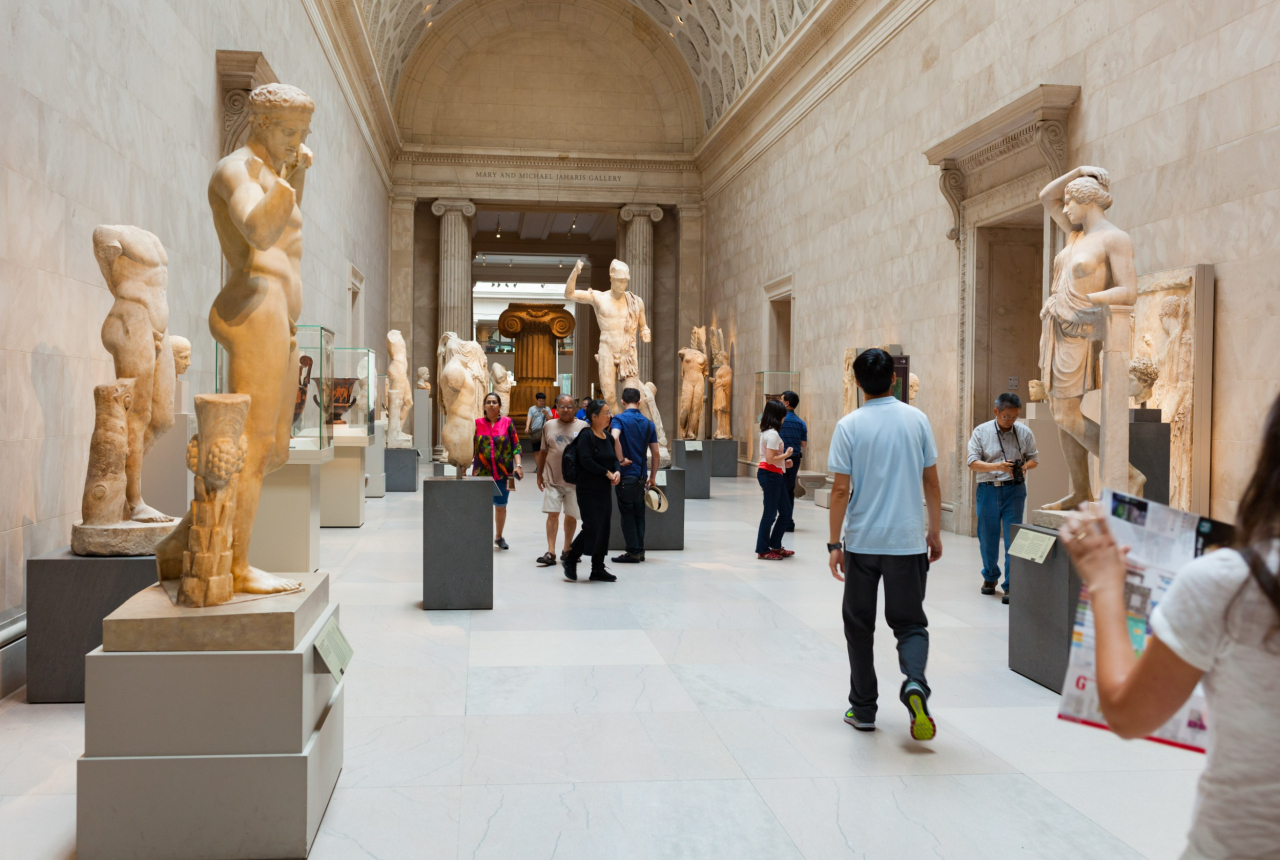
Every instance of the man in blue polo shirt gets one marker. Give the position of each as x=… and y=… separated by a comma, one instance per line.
x=886, y=479
x=795, y=435
x=633, y=436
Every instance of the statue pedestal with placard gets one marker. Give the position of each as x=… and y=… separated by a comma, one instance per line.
x=694, y=457
x=212, y=732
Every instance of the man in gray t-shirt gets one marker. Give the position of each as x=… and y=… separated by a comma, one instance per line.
x=536, y=419
x=1001, y=452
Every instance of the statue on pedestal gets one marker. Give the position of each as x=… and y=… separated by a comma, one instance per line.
x=620, y=315
x=1094, y=270
x=398, y=398
x=502, y=382
x=255, y=193
x=694, y=368
x=722, y=401
x=464, y=381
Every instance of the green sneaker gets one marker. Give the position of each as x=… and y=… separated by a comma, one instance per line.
x=923, y=728
x=857, y=723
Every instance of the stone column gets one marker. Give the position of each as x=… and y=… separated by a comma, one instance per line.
x=640, y=219
x=455, y=266
x=400, y=274
x=690, y=269
x=1113, y=418
x=536, y=328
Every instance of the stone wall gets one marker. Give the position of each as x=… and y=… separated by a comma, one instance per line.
x=111, y=116
x=1178, y=101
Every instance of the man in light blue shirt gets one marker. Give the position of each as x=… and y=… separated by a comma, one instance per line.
x=886, y=480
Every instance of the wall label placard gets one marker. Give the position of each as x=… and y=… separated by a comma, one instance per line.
x=334, y=649
x=1032, y=545
x=692, y=446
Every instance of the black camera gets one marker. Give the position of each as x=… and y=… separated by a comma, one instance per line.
x=1019, y=474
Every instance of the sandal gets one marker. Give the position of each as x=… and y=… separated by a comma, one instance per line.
x=546, y=560
x=771, y=555
x=785, y=553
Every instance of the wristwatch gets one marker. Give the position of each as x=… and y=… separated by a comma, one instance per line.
x=832, y=547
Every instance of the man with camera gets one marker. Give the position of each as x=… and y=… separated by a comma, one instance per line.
x=1001, y=451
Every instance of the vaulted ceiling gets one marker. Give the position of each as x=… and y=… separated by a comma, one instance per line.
x=724, y=43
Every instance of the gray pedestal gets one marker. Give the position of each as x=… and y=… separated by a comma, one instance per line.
x=724, y=457
x=695, y=458
x=67, y=598
x=457, y=543
x=402, y=470
x=1042, y=611
x=422, y=412
x=1149, y=452
x=375, y=486
x=13, y=650
x=661, y=531
x=443, y=470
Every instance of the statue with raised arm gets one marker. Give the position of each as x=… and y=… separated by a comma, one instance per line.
x=620, y=315
x=255, y=194
x=694, y=367
x=1094, y=269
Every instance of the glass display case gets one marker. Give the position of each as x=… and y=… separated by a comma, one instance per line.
x=355, y=390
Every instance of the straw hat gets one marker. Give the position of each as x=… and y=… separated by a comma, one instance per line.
x=656, y=500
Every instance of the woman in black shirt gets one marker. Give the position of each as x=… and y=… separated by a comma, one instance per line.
x=597, y=472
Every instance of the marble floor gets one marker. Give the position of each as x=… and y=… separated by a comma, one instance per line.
x=692, y=709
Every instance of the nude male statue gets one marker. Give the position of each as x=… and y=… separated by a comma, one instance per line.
x=620, y=315
x=1093, y=270
x=136, y=333
x=255, y=193
x=694, y=367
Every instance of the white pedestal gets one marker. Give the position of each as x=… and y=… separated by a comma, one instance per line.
x=342, y=481
x=167, y=484
x=207, y=755
x=286, y=533
x=822, y=497
x=422, y=407
x=375, y=469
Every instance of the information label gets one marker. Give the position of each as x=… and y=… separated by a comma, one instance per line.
x=661, y=478
x=334, y=649
x=1032, y=545
x=692, y=446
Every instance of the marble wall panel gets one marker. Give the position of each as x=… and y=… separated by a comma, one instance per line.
x=107, y=121
x=1177, y=101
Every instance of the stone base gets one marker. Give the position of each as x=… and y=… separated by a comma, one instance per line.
x=193, y=756
x=375, y=484
x=443, y=470
x=119, y=539
x=811, y=482
x=661, y=531
x=422, y=413
x=167, y=484
x=402, y=470
x=457, y=543
x=286, y=532
x=822, y=498
x=68, y=596
x=342, y=488
x=149, y=621
x=724, y=457
x=1042, y=611
x=1051, y=520
x=13, y=651
x=695, y=458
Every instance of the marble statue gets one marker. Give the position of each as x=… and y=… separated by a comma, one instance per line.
x=216, y=454
x=722, y=401
x=104, y=502
x=913, y=387
x=464, y=381
x=399, y=394
x=1143, y=374
x=502, y=385
x=1036, y=392
x=849, y=390
x=424, y=374
x=719, y=348
x=1172, y=350
x=181, y=354
x=694, y=367
x=1094, y=270
x=620, y=315
x=255, y=194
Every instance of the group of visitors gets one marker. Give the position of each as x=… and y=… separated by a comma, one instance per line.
x=608, y=454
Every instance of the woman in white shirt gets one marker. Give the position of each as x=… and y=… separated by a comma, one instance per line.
x=772, y=477
x=1218, y=625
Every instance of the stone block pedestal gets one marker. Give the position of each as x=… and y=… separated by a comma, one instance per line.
x=1042, y=612
x=695, y=458
x=422, y=411
x=457, y=543
x=402, y=470
x=375, y=485
x=200, y=754
x=661, y=531
x=724, y=457
x=67, y=598
x=167, y=484
x=286, y=532
x=342, y=482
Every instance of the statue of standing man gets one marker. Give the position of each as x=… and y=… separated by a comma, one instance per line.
x=255, y=193
x=620, y=315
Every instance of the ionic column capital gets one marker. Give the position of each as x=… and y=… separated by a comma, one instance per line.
x=633, y=210
x=446, y=204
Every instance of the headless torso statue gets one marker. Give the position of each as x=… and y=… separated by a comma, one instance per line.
x=1093, y=270
x=255, y=193
x=620, y=315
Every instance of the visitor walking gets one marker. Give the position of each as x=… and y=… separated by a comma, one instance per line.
x=582, y=409
x=1219, y=624
x=558, y=495
x=884, y=459
x=795, y=435
x=535, y=419
x=1001, y=451
x=495, y=453
x=597, y=471
x=771, y=475
x=634, y=436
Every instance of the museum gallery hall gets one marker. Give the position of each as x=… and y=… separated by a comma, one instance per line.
x=639, y=428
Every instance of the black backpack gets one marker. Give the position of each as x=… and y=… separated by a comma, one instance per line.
x=569, y=460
